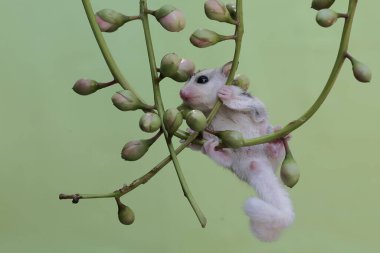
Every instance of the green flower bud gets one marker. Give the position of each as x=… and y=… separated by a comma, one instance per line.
x=231, y=7
x=169, y=64
x=125, y=100
x=172, y=120
x=110, y=20
x=196, y=120
x=185, y=71
x=204, y=38
x=362, y=72
x=322, y=4
x=184, y=109
x=289, y=171
x=231, y=138
x=241, y=81
x=216, y=10
x=124, y=213
x=326, y=17
x=150, y=122
x=85, y=87
x=170, y=18
x=134, y=150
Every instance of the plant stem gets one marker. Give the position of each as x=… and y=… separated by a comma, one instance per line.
x=115, y=71
x=127, y=188
x=342, y=54
x=239, y=31
x=160, y=109
x=105, y=85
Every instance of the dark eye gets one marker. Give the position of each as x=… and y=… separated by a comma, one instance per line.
x=202, y=79
x=246, y=94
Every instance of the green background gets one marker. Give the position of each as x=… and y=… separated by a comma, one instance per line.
x=53, y=141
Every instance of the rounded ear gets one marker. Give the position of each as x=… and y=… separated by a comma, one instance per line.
x=226, y=69
x=259, y=112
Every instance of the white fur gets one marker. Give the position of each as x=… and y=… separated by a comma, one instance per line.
x=271, y=211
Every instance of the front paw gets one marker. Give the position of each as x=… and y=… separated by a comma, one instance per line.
x=209, y=147
x=225, y=93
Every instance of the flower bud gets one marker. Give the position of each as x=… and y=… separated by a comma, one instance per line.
x=170, y=18
x=204, y=38
x=326, y=17
x=216, y=10
x=169, y=65
x=231, y=7
x=289, y=171
x=134, y=150
x=124, y=213
x=110, y=20
x=322, y=4
x=85, y=87
x=362, y=72
x=125, y=100
x=231, y=138
x=196, y=120
x=150, y=122
x=185, y=71
x=184, y=109
x=172, y=120
x=241, y=81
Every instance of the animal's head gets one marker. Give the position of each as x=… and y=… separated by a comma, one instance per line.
x=200, y=92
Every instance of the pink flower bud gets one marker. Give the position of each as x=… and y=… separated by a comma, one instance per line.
x=326, y=17
x=362, y=72
x=205, y=38
x=134, y=150
x=169, y=64
x=125, y=100
x=170, y=18
x=172, y=120
x=289, y=172
x=85, y=87
x=216, y=10
x=150, y=122
x=185, y=71
x=322, y=4
x=110, y=20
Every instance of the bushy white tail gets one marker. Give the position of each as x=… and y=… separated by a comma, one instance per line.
x=272, y=211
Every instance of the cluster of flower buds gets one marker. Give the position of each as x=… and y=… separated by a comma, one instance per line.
x=215, y=10
x=326, y=18
x=168, y=16
x=125, y=213
x=176, y=68
x=289, y=172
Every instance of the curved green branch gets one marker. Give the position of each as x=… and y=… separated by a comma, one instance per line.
x=115, y=71
x=342, y=54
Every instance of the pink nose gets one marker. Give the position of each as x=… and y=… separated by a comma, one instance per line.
x=184, y=95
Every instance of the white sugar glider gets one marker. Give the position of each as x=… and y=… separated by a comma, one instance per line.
x=271, y=212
